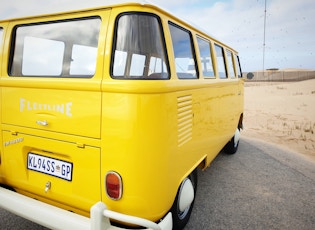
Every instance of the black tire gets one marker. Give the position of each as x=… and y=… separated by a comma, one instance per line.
x=180, y=219
x=232, y=146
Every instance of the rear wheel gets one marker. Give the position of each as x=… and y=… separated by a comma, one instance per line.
x=232, y=146
x=184, y=201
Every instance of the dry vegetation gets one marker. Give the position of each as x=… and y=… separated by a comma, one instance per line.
x=282, y=113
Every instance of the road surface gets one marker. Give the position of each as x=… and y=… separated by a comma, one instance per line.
x=259, y=187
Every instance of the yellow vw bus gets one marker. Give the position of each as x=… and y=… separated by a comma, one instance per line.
x=107, y=113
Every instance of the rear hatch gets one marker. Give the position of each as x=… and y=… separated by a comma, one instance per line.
x=51, y=144
x=51, y=109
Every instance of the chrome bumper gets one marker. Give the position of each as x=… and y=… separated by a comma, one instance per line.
x=56, y=218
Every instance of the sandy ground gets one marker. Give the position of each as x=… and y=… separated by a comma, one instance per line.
x=282, y=113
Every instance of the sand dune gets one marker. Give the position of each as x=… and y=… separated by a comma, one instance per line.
x=282, y=113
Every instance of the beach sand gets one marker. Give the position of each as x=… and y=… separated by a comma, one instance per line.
x=282, y=113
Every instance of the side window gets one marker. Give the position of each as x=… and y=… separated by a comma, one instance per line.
x=205, y=57
x=139, y=49
x=238, y=66
x=185, y=62
x=220, y=61
x=1, y=36
x=1, y=41
x=229, y=56
x=55, y=49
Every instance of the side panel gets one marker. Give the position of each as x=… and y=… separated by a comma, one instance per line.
x=155, y=140
x=157, y=132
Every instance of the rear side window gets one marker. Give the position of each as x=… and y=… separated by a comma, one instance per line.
x=1, y=41
x=1, y=36
x=238, y=66
x=220, y=61
x=184, y=53
x=230, y=64
x=55, y=49
x=205, y=57
x=139, y=48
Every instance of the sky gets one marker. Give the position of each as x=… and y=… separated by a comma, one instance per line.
x=281, y=37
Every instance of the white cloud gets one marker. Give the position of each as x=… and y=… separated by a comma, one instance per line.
x=18, y=8
x=240, y=23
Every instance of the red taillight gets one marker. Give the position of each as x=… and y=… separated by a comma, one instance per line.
x=113, y=185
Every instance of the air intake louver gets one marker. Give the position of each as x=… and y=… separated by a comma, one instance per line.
x=184, y=119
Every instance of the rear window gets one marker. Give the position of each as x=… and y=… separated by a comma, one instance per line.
x=55, y=49
x=139, y=48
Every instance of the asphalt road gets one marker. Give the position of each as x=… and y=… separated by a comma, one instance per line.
x=259, y=187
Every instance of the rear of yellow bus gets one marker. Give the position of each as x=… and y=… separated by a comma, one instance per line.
x=82, y=123
x=69, y=138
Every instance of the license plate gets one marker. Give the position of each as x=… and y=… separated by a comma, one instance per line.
x=50, y=166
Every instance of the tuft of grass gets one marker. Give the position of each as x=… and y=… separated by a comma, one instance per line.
x=309, y=127
x=281, y=87
x=297, y=125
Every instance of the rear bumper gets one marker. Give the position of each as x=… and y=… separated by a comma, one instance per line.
x=56, y=218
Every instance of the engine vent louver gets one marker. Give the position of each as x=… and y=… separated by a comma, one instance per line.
x=184, y=119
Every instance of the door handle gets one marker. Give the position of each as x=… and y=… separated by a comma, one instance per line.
x=42, y=123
